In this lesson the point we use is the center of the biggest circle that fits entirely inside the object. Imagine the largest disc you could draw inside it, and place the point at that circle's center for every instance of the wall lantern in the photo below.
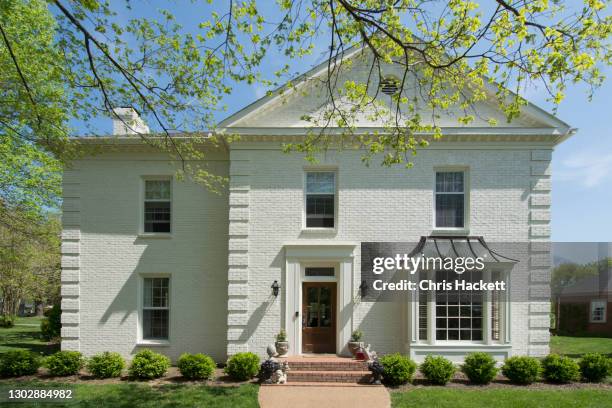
(363, 288)
(275, 288)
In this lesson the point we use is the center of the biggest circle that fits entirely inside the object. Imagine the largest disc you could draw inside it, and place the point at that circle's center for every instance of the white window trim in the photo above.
(466, 202)
(320, 169)
(487, 339)
(140, 298)
(605, 311)
(141, 231)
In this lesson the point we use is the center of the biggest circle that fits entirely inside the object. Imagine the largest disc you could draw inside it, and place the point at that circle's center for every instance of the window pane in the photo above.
(320, 182)
(155, 324)
(449, 182)
(157, 189)
(157, 216)
(325, 307)
(320, 211)
(449, 210)
(155, 292)
(319, 271)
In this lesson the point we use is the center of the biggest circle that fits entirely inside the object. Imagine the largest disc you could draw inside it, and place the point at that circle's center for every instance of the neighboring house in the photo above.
(149, 261)
(584, 306)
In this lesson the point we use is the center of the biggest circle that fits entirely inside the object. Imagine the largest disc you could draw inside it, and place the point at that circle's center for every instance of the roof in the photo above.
(590, 286)
(281, 111)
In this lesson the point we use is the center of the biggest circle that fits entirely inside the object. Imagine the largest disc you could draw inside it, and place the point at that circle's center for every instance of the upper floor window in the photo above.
(450, 199)
(598, 311)
(320, 199)
(157, 206)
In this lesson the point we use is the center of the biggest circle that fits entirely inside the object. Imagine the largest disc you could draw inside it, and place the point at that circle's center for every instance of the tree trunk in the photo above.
(40, 309)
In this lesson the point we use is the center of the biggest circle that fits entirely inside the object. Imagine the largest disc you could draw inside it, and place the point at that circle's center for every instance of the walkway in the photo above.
(332, 396)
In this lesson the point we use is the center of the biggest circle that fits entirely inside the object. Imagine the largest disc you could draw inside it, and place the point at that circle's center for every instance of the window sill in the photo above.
(319, 230)
(158, 343)
(450, 231)
(155, 235)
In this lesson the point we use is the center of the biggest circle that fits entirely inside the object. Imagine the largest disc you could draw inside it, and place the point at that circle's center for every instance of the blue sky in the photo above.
(582, 165)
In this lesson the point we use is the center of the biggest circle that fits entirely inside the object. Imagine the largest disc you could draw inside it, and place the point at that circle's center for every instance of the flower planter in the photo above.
(354, 346)
(282, 348)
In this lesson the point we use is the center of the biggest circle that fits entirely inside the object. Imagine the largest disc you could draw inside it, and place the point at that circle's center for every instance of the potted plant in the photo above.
(355, 344)
(282, 345)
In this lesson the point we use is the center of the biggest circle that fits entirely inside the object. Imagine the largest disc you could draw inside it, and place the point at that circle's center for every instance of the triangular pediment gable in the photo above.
(287, 107)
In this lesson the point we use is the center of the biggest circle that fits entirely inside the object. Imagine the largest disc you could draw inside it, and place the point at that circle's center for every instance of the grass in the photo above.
(25, 335)
(134, 395)
(501, 398)
(577, 346)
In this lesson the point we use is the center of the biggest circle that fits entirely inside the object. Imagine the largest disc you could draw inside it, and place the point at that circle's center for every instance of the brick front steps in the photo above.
(327, 370)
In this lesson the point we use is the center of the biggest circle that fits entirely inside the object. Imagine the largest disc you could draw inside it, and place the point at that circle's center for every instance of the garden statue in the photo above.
(280, 375)
(271, 371)
(377, 370)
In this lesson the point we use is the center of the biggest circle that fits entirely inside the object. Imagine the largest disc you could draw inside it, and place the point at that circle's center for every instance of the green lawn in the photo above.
(437, 397)
(134, 395)
(577, 346)
(25, 335)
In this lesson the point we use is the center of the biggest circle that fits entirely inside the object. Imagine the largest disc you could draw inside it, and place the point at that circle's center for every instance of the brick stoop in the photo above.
(326, 370)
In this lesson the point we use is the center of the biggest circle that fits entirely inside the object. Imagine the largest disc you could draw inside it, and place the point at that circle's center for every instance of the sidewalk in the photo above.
(278, 396)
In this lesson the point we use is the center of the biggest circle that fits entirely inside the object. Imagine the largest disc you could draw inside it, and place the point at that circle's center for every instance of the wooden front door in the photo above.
(319, 317)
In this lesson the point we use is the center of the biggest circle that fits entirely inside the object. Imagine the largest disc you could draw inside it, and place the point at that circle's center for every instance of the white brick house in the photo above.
(199, 279)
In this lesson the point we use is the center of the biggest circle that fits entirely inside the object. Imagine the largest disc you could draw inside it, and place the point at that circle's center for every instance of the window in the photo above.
(450, 199)
(319, 271)
(459, 314)
(155, 309)
(157, 206)
(598, 311)
(320, 199)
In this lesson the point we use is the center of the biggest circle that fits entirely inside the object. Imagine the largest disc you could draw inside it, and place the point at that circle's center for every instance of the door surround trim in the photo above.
(308, 254)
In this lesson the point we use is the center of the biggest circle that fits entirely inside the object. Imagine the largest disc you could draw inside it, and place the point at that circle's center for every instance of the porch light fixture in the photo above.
(275, 288)
(363, 288)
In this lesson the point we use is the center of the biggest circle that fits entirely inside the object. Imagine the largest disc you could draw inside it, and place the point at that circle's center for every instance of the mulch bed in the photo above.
(173, 376)
(460, 380)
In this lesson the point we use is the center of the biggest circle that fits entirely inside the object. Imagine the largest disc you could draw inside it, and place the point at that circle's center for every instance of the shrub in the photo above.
(242, 366)
(522, 369)
(282, 335)
(196, 366)
(437, 369)
(7, 321)
(64, 363)
(595, 367)
(19, 362)
(479, 367)
(106, 365)
(147, 365)
(560, 369)
(51, 325)
(356, 336)
(398, 369)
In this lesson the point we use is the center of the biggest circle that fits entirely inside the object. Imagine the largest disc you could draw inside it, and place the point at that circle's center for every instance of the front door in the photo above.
(319, 317)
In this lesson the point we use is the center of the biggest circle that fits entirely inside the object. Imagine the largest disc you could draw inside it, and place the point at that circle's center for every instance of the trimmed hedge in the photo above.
(64, 363)
(196, 366)
(19, 362)
(560, 369)
(479, 367)
(242, 366)
(398, 369)
(437, 369)
(148, 364)
(106, 365)
(595, 367)
(522, 369)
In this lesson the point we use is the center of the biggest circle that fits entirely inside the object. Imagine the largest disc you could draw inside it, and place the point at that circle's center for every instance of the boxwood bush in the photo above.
(595, 367)
(19, 362)
(106, 365)
(522, 369)
(437, 369)
(560, 369)
(398, 369)
(242, 366)
(147, 365)
(196, 366)
(479, 367)
(64, 363)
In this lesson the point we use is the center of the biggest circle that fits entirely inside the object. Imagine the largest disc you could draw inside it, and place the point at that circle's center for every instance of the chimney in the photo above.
(128, 122)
